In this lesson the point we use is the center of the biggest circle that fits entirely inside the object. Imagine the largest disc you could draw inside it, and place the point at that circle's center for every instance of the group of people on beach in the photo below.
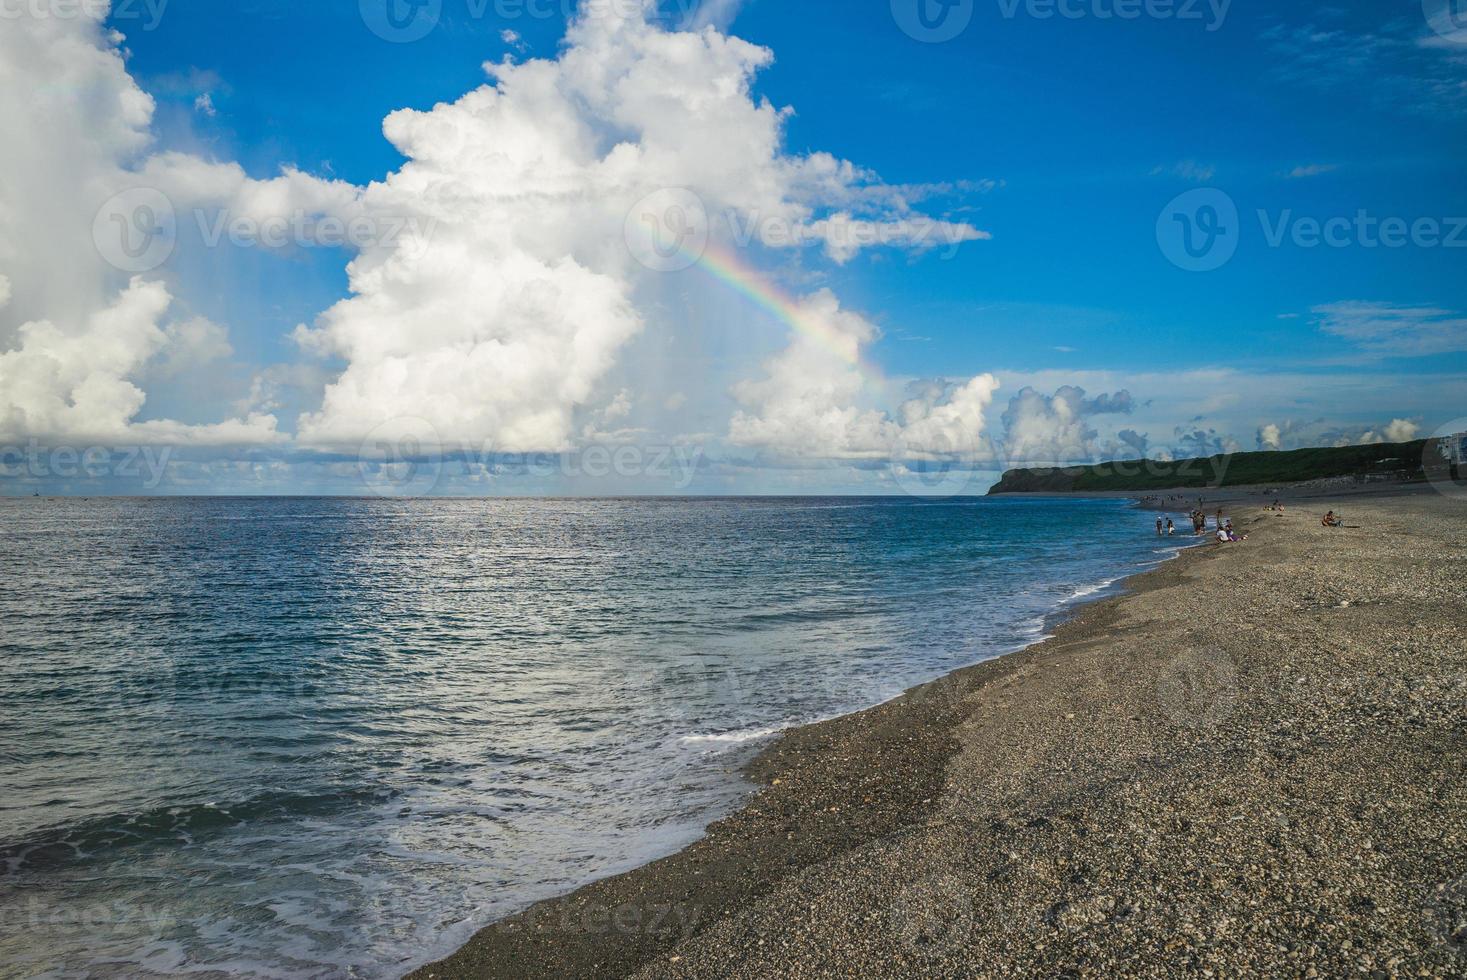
(1225, 533)
(1224, 527)
(1199, 520)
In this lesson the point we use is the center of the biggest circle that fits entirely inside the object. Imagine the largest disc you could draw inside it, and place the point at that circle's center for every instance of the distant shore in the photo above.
(1248, 764)
(1182, 499)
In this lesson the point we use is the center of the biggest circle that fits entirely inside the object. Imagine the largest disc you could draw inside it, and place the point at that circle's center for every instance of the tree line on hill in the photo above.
(1404, 461)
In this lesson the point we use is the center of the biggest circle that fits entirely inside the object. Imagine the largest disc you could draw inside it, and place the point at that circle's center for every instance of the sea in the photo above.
(323, 737)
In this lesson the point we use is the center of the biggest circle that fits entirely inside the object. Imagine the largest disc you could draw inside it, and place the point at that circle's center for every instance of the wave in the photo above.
(731, 738)
(63, 844)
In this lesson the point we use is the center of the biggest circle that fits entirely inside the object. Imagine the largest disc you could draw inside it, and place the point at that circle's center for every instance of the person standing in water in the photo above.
(1170, 527)
(1158, 527)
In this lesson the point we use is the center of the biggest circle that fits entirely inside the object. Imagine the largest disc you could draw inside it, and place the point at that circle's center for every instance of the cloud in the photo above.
(1397, 66)
(1400, 430)
(77, 334)
(813, 401)
(204, 105)
(1193, 442)
(1199, 173)
(1135, 440)
(1041, 428)
(714, 13)
(73, 384)
(65, 86)
(191, 344)
(1311, 170)
(1294, 434)
(1233, 405)
(502, 314)
(1390, 330)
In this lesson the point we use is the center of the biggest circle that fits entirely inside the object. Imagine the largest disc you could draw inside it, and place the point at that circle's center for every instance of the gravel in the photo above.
(1252, 764)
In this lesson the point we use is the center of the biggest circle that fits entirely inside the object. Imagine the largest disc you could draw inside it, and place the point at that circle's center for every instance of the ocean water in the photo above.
(331, 738)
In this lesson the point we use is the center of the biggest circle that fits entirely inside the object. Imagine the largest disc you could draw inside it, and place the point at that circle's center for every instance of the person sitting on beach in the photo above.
(1330, 520)
(1222, 536)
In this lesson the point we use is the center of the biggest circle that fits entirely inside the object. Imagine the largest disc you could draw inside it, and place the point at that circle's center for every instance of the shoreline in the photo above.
(519, 945)
(1182, 499)
(834, 795)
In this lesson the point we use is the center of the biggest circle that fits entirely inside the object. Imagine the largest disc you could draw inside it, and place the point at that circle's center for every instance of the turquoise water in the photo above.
(330, 738)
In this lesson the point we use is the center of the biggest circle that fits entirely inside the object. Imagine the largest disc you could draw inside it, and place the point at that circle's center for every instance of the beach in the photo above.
(1250, 763)
(371, 727)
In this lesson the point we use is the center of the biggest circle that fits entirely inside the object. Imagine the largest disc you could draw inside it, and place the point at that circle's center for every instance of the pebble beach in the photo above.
(1250, 763)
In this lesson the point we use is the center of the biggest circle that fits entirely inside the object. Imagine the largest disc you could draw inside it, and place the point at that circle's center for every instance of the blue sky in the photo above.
(1061, 139)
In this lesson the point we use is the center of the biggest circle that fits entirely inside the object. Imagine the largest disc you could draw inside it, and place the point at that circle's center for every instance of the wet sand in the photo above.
(1250, 764)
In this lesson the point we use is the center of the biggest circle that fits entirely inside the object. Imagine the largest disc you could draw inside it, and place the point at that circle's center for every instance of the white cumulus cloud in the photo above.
(499, 314)
(77, 333)
(815, 400)
(1040, 428)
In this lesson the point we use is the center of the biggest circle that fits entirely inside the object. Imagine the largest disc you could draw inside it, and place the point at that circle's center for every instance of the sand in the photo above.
(1251, 764)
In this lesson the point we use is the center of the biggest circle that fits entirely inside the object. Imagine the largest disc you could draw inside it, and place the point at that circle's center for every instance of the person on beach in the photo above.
(1330, 520)
(1170, 527)
(1219, 517)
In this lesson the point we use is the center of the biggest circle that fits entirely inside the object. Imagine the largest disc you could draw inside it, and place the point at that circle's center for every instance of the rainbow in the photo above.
(725, 265)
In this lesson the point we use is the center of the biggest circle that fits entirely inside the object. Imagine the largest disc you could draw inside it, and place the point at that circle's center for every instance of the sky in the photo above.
(479, 247)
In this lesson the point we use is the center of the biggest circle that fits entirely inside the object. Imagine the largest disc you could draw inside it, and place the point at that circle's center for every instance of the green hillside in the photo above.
(1402, 459)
